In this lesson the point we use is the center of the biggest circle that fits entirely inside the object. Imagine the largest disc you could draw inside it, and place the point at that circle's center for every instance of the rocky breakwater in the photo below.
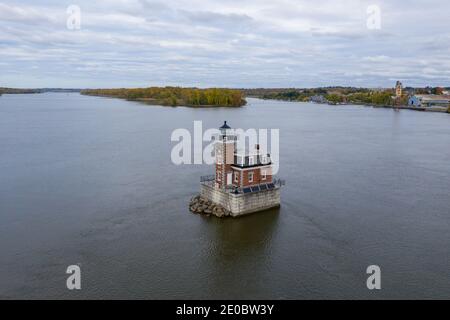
(201, 205)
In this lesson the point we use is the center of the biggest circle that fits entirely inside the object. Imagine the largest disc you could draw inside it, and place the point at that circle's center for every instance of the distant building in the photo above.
(398, 89)
(429, 100)
(409, 91)
(318, 99)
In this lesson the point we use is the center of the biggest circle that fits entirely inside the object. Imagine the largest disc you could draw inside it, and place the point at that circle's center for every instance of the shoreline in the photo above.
(399, 107)
(156, 102)
(423, 109)
(175, 96)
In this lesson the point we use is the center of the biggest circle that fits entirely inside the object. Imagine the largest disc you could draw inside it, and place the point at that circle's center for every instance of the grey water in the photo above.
(89, 181)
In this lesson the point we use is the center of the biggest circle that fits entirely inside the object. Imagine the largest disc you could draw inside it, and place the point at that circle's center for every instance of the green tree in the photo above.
(334, 98)
(176, 95)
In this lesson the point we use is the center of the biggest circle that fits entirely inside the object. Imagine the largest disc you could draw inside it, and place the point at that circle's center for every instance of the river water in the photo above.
(89, 181)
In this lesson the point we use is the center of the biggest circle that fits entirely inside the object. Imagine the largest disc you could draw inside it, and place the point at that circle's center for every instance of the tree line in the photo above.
(333, 95)
(18, 91)
(176, 96)
(338, 95)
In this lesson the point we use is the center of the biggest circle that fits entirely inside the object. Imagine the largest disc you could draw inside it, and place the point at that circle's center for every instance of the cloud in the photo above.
(376, 59)
(237, 43)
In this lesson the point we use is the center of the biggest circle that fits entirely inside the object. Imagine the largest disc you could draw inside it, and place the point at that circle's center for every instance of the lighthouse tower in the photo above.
(243, 182)
(224, 151)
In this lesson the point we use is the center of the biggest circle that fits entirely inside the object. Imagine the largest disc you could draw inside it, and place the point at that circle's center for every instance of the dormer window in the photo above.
(251, 160)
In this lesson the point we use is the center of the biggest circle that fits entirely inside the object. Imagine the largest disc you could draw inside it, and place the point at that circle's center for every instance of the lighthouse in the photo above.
(240, 169)
(243, 182)
(224, 148)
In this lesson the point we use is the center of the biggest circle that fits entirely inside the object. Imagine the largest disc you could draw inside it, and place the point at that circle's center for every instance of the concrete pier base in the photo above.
(241, 204)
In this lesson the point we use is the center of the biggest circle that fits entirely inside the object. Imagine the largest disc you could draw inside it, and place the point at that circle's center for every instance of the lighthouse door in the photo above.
(229, 178)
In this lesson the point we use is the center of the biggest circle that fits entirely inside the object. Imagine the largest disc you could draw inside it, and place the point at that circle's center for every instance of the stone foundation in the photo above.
(204, 206)
(240, 204)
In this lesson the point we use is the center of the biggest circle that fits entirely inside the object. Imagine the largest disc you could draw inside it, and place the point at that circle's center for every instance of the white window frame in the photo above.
(236, 177)
(251, 160)
(219, 157)
(250, 174)
(263, 174)
(229, 180)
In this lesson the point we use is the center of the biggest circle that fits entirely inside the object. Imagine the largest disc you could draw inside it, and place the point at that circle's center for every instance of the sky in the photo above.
(226, 43)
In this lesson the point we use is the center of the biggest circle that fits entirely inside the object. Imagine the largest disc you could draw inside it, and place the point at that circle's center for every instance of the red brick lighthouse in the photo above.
(243, 182)
(224, 151)
(240, 170)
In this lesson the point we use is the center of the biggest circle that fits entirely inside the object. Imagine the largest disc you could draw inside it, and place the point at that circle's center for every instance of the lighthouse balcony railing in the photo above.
(275, 184)
(228, 137)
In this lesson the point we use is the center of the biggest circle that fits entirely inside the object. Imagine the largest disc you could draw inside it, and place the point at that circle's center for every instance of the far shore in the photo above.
(158, 102)
(175, 96)
(176, 102)
(397, 107)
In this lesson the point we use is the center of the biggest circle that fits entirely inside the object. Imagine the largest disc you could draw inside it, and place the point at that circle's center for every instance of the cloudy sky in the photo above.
(224, 43)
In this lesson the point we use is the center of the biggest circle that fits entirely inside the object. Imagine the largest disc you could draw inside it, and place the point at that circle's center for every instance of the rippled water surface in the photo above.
(89, 181)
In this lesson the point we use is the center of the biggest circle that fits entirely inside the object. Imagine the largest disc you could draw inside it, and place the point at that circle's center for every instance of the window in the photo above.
(219, 159)
(263, 174)
(250, 176)
(236, 177)
(251, 161)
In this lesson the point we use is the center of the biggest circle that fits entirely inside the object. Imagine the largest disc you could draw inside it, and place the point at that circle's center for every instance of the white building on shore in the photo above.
(429, 100)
